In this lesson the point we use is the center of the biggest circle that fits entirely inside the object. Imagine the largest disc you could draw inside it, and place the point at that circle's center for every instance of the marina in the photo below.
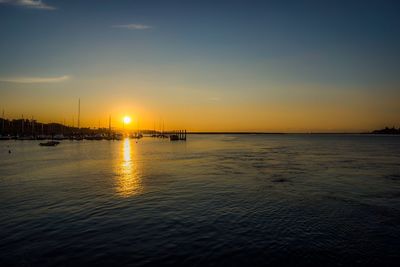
(24, 130)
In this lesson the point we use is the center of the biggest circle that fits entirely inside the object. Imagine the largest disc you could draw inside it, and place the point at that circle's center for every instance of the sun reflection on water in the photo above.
(128, 179)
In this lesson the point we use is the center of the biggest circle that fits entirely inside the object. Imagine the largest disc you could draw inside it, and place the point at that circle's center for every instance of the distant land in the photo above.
(387, 130)
(25, 127)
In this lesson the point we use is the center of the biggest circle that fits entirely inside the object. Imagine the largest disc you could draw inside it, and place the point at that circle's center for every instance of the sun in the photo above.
(127, 119)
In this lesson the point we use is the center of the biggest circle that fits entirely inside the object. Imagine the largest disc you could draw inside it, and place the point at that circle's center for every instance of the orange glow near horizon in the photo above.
(335, 110)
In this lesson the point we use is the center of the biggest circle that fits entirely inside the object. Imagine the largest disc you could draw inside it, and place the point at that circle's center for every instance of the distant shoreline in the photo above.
(311, 133)
(26, 127)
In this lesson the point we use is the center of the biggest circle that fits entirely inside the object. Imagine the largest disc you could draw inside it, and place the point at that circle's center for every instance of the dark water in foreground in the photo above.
(294, 200)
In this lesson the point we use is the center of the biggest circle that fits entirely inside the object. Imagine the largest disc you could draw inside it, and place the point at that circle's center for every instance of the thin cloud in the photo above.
(33, 4)
(35, 79)
(133, 26)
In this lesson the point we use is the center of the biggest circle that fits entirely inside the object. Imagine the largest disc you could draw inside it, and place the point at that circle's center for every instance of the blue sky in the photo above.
(239, 53)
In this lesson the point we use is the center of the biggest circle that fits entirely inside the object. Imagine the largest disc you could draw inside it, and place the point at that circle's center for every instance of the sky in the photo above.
(274, 66)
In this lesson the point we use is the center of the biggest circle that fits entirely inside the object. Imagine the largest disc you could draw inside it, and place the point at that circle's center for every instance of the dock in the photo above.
(179, 135)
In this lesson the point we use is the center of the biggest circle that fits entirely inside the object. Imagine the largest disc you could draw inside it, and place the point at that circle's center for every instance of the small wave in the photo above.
(280, 180)
(394, 177)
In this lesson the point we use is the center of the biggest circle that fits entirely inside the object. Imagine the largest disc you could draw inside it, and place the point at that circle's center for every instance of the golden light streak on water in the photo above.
(128, 178)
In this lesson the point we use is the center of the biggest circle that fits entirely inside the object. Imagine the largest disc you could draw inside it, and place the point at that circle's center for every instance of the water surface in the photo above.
(327, 200)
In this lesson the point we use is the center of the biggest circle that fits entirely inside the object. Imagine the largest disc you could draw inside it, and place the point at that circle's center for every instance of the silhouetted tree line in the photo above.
(25, 127)
(387, 130)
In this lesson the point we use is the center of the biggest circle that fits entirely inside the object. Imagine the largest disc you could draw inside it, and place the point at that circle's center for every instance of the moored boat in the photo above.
(174, 137)
(50, 143)
(5, 137)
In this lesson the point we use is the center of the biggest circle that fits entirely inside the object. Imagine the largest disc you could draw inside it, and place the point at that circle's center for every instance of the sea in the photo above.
(214, 200)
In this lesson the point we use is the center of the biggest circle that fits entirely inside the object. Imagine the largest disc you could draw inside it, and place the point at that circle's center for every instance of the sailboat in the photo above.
(49, 143)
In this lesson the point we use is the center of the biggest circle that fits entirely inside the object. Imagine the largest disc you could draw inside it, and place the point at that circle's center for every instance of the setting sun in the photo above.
(127, 119)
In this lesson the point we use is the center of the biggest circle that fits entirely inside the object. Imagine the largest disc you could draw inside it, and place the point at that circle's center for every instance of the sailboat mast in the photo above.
(22, 128)
(79, 113)
(33, 126)
(109, 125)
(2, 128)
